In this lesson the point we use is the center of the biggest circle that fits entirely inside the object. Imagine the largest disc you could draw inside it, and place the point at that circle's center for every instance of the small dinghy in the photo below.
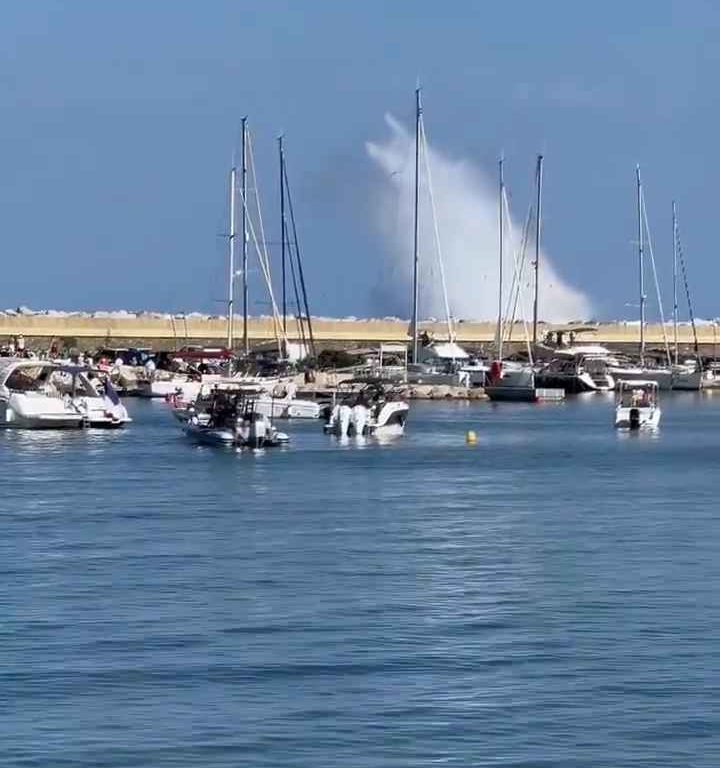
(636, 405)
(232, 420)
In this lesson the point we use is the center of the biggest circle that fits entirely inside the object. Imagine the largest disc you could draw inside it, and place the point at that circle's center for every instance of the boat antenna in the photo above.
(641, 264)
(418, 116)
(538, 228)
(243, 162)
(501, 227)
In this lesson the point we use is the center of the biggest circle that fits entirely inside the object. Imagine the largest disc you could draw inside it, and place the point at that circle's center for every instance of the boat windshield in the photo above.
(46, 380)
(636, 397)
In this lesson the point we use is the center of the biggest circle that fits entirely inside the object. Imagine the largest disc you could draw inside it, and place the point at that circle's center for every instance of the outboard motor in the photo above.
(634, 418)
(343, 420)
(359, 419)
(258, 431)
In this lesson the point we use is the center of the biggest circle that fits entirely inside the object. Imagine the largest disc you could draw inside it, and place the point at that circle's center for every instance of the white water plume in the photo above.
(467, 212)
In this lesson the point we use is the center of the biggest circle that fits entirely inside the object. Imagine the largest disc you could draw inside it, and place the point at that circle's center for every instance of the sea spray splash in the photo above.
(467, 211)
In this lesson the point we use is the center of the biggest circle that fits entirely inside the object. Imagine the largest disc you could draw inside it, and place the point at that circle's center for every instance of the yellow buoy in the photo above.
(470, 437)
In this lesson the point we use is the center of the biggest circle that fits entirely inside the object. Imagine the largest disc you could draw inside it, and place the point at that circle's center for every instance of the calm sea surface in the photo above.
(548, 597)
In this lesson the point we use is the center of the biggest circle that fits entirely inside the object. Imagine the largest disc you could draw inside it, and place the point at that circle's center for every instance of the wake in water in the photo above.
(467, 213)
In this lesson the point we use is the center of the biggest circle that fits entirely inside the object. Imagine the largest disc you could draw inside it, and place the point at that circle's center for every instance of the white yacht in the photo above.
(37, 394)
(278, 403)
(636, 405)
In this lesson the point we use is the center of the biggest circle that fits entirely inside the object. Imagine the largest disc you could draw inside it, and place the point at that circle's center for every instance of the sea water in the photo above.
(547, 597)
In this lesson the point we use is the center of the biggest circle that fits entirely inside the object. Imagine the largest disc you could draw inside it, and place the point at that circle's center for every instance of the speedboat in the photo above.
(231, 419)
(366, 409)
(36, 394)
(636, 405)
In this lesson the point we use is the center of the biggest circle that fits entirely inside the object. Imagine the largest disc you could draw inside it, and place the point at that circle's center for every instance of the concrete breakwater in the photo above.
(167, 332)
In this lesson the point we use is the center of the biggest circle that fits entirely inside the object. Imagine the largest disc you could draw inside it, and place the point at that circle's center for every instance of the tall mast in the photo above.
(641, 265)
(675, 265)
(538, 224)
(418, 117)
(282, 231)
(231, 259)
(501, 210)
(243, 161)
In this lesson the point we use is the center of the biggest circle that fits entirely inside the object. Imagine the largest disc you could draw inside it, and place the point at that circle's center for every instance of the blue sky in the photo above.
(118, 121)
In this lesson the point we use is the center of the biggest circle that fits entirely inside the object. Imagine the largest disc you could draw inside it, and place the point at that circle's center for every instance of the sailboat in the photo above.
(662, 375)
(686, 376)
(437, 361)
(514, 381)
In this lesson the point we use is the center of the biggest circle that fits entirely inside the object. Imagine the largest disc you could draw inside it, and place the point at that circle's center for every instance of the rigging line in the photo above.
(298, 316)
(516, 296)
(263, 256)
(655, 278)
(301, 273)
(520, 262)
(263, 266)
(436, 229)
(687, 293)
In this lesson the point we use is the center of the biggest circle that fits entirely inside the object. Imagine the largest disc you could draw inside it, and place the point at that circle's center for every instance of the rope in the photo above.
(655, 278)
(436, 229)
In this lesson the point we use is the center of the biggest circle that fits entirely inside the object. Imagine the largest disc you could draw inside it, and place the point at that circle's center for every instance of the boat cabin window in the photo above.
(26, 379)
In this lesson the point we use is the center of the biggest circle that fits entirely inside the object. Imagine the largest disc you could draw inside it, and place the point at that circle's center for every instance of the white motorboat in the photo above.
(371, 410)
(37, 394)
(164, 384)
(636, 405)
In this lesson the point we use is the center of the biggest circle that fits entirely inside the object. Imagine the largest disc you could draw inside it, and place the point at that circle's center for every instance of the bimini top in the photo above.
(637, 384)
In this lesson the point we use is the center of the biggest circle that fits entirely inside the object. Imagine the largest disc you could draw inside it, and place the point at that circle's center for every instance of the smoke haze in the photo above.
(467, 213)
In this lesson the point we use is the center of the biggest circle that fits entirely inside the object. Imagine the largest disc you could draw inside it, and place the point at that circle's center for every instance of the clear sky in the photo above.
(118, 121)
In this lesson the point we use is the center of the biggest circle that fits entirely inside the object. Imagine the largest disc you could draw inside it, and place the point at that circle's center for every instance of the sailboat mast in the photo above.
(243, 181)
(675, 265)
(501, 227)
(231, 259)
(418, 117)
(538, 226)
(641, 264)
(282, 232)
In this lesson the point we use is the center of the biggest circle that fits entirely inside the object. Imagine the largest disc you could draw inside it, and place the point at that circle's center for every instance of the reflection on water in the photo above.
(550, 596)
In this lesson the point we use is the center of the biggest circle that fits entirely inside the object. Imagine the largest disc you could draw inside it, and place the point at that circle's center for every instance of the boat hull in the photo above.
(637, 418)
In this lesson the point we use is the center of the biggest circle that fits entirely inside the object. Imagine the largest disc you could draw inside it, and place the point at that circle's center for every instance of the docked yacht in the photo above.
(277, 403)
(576, 371)
(165, 384)
(636, 405)
(37, 394)
(515, 383)
(371, 409)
